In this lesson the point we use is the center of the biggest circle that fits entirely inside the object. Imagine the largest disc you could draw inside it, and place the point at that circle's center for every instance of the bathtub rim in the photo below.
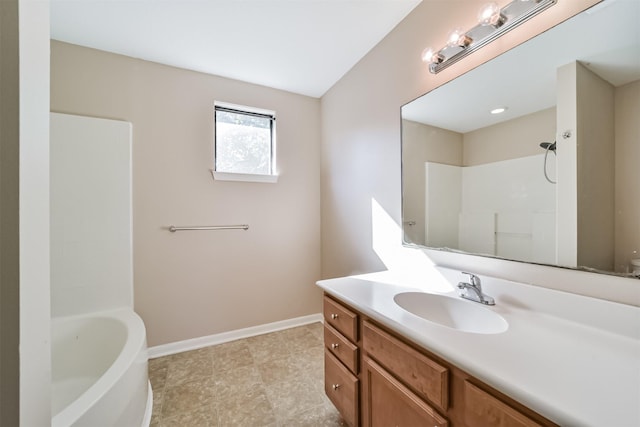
(135, 344)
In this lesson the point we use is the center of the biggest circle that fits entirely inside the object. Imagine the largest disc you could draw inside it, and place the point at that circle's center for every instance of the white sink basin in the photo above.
(453, 313)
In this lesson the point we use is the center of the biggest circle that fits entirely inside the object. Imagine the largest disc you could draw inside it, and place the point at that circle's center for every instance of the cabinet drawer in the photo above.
(340, 347)
(341, 318)
(426, 377)
(389, 403)
(484, 410)
(341, 387)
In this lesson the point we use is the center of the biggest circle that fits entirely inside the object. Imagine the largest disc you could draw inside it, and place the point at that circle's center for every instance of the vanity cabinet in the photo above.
(341, 360)
(377, 378)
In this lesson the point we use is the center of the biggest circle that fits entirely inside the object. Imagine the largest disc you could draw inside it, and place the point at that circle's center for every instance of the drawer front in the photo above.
(340, 347)
(342, 388)
(341, 318)
(483, 410)
(390, 403)
(428, 378)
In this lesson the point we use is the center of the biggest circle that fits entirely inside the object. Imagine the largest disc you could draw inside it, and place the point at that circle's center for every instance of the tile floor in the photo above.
(271, 380)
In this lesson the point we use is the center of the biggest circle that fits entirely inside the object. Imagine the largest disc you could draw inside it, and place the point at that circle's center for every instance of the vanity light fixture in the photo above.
(493, 22)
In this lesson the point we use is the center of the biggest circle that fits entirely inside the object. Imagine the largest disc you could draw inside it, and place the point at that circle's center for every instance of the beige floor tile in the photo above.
(271, 380)
(287, 368)
(321, 416)
(290, 398)
(312, 359)
(231, 355)
(228, 384)
(188, 397)
(188, 369)
(250, 409)
(156, 412)
(201, 352)
(268, 347)
(296, 333)
(158, 377)
(205, 416)
(316, 328)
(158, 363)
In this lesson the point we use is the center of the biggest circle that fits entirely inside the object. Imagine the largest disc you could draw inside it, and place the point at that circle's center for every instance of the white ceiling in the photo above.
(606, 38)
(301, 46)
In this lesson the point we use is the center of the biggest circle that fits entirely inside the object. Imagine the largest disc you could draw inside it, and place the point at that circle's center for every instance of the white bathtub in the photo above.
(99, 370)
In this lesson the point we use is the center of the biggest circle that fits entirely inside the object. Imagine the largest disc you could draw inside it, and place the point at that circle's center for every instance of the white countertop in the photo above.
(573, 359)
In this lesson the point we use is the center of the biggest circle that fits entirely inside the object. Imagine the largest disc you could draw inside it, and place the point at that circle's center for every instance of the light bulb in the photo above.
(489, 14)
(431, 56)
(427, 55)
(457, 37)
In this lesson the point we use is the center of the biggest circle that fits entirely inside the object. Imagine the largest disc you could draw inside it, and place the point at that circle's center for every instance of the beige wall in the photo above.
(627, 174)
(193, 284)
(567, 167)
(596, 145)
(422, 143)
(361, 147)
(519, 137)
(585, 189)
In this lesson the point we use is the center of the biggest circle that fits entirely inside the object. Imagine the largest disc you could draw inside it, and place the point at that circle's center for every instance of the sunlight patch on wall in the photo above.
(405, 266)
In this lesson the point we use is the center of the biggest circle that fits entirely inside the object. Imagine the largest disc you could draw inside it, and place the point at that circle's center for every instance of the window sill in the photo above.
(244, 177)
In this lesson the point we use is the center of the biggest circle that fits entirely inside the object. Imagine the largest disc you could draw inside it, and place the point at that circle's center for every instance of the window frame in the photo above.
(271, 177)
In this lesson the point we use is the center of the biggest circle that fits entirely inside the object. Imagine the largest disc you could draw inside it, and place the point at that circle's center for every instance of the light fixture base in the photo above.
(512, 15)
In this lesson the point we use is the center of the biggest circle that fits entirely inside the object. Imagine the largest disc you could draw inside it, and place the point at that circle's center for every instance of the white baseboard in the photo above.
(196, 343)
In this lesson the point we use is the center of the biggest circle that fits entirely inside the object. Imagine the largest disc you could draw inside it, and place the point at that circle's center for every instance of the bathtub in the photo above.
(99, 370)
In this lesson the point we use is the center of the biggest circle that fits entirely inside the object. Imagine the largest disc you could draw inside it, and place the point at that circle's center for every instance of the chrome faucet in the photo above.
(473, 291)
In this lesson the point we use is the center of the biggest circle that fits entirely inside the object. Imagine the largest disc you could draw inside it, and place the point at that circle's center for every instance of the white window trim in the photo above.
(244, 108)
(247, 177)
(244, 177)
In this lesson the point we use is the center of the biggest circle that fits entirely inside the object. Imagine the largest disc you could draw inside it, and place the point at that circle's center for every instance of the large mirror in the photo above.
(553, 179)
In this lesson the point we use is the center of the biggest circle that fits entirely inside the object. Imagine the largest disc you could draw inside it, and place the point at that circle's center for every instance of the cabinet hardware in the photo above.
(334, 346)
(334, 316)
(335, 386)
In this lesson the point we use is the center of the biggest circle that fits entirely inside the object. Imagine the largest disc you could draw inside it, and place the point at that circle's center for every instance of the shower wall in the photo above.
(503, 208)
(91, 250)
(512, 139)
(512, 204)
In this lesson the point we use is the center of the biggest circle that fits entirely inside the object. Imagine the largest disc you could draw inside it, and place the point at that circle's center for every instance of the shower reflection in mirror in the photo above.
(551, 175)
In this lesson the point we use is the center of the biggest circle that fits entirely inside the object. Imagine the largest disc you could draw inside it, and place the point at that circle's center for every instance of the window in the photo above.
(244, 143)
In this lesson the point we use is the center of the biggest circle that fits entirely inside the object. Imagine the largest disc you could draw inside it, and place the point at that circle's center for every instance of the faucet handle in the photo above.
(475, 280)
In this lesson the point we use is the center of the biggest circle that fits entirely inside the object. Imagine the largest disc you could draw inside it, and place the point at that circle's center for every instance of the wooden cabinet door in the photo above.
(388, 403)
(483, 410)
(342, 388)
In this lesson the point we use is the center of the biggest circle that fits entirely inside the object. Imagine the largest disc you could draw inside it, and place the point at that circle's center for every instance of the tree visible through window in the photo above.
(244, 141)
